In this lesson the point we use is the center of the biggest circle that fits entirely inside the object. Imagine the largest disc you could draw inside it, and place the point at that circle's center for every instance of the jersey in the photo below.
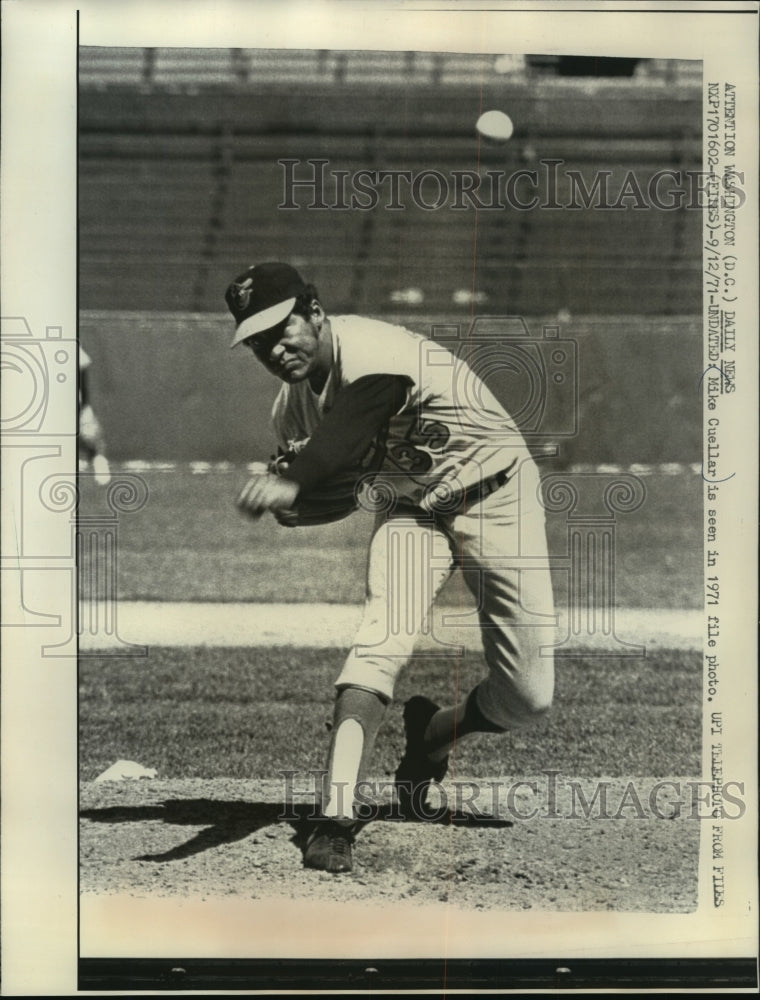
(449, 434)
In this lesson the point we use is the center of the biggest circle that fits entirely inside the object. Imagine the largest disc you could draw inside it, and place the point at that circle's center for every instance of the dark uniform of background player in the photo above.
(363, 398)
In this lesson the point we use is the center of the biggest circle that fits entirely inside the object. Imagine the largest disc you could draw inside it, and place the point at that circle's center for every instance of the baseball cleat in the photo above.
(416, 771)
(329, 846)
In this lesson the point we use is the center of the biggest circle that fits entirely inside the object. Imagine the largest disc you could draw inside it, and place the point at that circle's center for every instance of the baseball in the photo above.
(495, 125)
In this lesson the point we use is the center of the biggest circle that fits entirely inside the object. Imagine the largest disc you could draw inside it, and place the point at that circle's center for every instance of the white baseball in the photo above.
(495, 125)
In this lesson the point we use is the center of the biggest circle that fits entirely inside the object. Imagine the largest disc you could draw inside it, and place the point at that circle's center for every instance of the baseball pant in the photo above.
(500, 546)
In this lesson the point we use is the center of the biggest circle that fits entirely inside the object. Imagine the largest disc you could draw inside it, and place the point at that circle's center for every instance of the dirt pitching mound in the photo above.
(512, 846)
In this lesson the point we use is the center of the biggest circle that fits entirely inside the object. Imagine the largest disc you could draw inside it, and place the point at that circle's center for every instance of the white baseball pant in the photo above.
(500, 545)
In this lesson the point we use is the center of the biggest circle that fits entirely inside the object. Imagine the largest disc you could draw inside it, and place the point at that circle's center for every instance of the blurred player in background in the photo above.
(369, 406)
(91, 443)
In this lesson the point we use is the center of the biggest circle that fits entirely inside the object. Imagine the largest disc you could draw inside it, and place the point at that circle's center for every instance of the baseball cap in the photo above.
(262, 297)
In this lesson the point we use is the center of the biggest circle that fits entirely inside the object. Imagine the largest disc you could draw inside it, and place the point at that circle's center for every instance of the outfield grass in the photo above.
(204, 712)
(190, 543)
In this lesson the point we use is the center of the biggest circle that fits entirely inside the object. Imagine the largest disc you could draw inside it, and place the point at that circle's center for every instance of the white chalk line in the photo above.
(326, 626)
(207, 468)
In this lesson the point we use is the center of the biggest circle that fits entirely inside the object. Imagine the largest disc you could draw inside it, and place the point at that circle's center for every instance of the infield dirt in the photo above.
(227, 837)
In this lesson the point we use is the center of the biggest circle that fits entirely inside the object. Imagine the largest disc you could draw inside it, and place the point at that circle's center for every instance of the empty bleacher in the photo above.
(196, 68)
(180, 183)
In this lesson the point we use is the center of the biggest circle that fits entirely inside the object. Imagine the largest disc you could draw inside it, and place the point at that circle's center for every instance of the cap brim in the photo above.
(263, 320)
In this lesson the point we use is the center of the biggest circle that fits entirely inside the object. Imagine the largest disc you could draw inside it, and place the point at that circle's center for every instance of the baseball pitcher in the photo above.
(372, 414)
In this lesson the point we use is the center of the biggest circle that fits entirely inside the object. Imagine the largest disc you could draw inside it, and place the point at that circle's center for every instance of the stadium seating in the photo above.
(180, 183)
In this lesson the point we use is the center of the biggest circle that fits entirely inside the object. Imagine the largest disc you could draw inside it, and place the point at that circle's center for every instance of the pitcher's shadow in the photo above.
(228, 822)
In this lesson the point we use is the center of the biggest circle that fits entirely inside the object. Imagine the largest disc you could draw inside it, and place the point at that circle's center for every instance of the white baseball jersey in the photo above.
(451, 431)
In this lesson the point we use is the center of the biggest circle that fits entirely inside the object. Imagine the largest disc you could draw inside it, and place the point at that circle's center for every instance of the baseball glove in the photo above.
(332, 500)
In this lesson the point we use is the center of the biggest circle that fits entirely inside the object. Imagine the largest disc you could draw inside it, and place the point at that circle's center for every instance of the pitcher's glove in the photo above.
(332, 500)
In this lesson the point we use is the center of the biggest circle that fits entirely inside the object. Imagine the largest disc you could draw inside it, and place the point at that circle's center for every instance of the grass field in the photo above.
(251, 713)
(190, 543)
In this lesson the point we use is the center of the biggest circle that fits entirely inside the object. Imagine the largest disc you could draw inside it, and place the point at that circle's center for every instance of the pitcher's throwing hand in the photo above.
(267, 492)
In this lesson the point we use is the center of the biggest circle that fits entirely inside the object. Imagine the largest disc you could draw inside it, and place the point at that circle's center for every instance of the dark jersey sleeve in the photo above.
(345, 434)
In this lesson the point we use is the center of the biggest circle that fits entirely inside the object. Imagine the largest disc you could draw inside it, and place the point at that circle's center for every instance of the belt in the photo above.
(472, 495)
(485, 487)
